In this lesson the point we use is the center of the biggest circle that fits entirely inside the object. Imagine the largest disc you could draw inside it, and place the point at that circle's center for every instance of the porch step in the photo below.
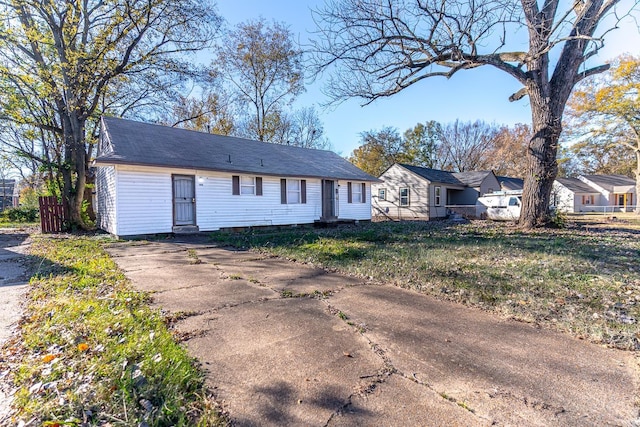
(186, 229)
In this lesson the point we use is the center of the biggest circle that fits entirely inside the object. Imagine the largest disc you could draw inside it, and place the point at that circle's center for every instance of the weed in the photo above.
(193, 257)
(286, 294)
(342, 315)
(235, 277)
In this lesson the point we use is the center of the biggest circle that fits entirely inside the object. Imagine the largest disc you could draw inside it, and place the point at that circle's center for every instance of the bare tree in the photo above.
(378, 48)
(79, 56)
(466, 145)
(263, 66)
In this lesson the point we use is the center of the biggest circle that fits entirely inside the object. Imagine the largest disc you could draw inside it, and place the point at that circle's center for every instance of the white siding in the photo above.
(356, 210)
(397, 177)
(145, 204)
(217, 207)
(106, 198)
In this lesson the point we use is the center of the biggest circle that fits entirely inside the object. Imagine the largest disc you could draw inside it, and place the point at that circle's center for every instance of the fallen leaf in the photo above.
(48, 358)
(83, 346)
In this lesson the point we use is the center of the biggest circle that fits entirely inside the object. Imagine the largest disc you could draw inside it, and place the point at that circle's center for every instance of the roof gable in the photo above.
(144, 144)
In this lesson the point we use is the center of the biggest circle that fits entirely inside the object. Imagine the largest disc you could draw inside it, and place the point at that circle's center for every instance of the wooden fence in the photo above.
(52, 215)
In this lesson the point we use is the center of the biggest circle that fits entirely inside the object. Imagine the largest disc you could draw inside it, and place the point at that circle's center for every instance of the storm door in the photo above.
(328, 199)
(184, 200)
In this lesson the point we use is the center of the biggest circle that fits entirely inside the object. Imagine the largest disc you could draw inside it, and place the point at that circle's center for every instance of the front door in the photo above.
(328, 199)
(184, 200)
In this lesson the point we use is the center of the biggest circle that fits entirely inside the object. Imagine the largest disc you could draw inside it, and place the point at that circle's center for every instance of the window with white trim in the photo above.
(247, 185)
(382, 194)
(404, 197)
(293, 191)
(356, 196)
(437, 192)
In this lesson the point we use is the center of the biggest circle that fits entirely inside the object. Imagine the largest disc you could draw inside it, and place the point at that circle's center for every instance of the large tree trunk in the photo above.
(637, 173)
(74, 171)
(542, 167)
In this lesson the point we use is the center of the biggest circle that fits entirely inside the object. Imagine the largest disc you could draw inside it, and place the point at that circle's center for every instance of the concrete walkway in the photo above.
(285, 344)
(13, 284)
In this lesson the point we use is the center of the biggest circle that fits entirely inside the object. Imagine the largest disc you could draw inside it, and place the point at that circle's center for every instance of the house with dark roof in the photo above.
(157, 179)
(571, 195)
(617, 191)
(408, 192)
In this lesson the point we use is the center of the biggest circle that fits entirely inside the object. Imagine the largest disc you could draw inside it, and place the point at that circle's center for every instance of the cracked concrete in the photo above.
(286, 344)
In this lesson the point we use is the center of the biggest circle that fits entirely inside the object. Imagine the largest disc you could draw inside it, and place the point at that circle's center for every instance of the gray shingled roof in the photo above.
(434, 175)
(609, 181)
(508, 183)
(575, 185)
(144, 144)
(472, 179)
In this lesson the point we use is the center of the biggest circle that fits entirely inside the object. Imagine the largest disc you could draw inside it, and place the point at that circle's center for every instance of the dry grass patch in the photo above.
(582, 279)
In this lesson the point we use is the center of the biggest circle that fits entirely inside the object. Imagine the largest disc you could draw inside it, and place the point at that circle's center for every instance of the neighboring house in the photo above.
(477, 184)
(508, 183)
(157, 179)
(616, 190)
(7, 190)
(412, 192)
(571, 195)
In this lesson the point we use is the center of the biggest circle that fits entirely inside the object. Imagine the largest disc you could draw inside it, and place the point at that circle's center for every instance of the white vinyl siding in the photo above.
(355, 210)
(145, 202)
(395, 178)
(106, 198)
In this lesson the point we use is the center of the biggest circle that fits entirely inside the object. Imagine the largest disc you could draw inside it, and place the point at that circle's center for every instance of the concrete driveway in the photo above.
(286, 344)
(13, 285)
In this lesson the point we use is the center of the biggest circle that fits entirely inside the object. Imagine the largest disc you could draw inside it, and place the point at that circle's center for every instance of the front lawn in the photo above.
(585, 281)
(92, 352)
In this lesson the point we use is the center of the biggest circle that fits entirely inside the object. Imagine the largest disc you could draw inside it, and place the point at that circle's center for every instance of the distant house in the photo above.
(408, 191)
(508, 183)
(7, 192)
(571, 195)
(616, 190)
(156, 179)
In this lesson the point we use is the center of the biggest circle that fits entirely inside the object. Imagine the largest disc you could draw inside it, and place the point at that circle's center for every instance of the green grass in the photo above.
(585, 281)
(92, 350)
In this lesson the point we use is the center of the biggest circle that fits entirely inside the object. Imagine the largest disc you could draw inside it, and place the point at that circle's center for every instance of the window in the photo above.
(437, 193)
(356, 194)
(247, 185)
(382, 194)
(513, 201)
(293, 191)
(404, 197)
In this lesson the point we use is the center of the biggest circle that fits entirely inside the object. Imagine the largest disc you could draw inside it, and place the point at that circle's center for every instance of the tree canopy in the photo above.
(375, 49)
(63, 63)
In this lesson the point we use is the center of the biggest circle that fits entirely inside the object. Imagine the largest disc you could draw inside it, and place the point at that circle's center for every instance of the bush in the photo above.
(20, 214)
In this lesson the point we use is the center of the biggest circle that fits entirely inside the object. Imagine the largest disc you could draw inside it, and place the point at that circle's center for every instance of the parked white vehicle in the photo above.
(500, 206)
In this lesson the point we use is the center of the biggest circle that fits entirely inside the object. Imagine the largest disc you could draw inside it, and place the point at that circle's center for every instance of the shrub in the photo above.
(20, 214)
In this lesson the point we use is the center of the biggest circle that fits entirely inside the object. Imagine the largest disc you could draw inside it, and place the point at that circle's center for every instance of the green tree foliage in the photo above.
(421, 144)
(379, 150)
(604, 114)
(263, 66)
(63, 63)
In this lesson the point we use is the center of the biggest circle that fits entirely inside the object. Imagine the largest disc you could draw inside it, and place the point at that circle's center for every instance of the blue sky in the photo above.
(480, 94)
